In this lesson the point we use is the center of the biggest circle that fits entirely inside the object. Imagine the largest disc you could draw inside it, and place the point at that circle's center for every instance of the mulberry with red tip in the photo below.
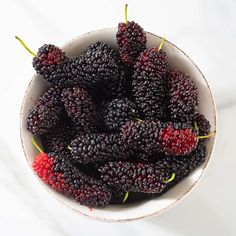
(131, 40)
(177, 140)
(56, 170)
(153, 62)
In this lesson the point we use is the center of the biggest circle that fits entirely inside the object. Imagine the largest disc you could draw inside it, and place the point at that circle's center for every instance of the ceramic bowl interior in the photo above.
(177, 59)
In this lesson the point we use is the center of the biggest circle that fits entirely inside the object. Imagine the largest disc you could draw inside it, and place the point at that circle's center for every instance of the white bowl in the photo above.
(177, 59)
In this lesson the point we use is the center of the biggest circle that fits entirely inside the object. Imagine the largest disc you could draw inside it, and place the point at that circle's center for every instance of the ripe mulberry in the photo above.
(153, 62)
(117, 112)
(80, 107)
(135, 177)
(149, 94)
(183, 96)
(203, 124)
(46, 112)
(56, 170)
(177, 140)
(131, 40)
(89, 148)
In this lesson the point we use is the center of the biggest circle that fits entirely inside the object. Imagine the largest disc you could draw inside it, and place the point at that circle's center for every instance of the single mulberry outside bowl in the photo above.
(117, 213)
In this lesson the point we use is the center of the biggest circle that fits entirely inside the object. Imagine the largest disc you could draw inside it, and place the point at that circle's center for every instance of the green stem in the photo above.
(195, 126)
(37, 146)
(139, 120)
(170, 179)
(206, 136)
(125, 197)
(69, 147)
(24, 45)
(161, 44)
(126, 13)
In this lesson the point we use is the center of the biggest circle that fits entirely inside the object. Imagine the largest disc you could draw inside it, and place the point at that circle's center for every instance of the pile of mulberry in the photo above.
(117, 125)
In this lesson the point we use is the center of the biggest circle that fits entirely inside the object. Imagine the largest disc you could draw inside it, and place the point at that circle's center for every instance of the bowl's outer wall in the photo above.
(178, 60)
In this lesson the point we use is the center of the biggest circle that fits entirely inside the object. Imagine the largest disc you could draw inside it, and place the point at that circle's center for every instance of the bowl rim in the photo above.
(158, 212)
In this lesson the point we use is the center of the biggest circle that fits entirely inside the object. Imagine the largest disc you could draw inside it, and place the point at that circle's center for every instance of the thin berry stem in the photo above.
(37, 146)
(126, 13)
(161, 44)
(206, 136)
(195, 126)
(24, 45)
(125, 197)
(140, 120)
(69, 147)
(170, 179)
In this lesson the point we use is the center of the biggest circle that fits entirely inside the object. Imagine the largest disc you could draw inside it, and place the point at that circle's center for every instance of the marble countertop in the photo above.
(205, 30)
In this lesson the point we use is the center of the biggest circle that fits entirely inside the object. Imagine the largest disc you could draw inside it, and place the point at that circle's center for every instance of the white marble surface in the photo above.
(205, 30)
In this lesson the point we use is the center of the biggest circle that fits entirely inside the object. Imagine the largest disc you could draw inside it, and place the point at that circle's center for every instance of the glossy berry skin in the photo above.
(177, 141)
(80, 107)
(152, 137)
(45, 113)
(134, 177)
(90, 148)
(149, 93)
(153, 62)
(203, 124)
(117, 112)
(131, 40)
(51, 63)
(183, 96)
(56, 170)
(141, 136)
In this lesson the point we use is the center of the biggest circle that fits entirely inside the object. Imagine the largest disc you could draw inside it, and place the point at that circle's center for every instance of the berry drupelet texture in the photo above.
(203, 124)
(58, 138)
(56, 170)
(135, 177)
(117, 112)
(89, 148)
(51, 62)
(152, 137)
(141, 136)
(149, 93)
(183, 96)
(96, 68)
(80, 107)
(131, 40)
(177, 140)
(153, 62)
(46, 112)
(182, 166)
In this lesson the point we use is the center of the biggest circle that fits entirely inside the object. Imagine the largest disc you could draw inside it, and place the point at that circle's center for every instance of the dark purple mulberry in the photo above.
(131, 40)
(89, 148)
(183, 96)
(203, 124)
(80, 108)
(59, 137)
(117, 112)
(46, 112)
(135, 177)
(150, 96)
(141, 136)
(56, 170)
(153, 62)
